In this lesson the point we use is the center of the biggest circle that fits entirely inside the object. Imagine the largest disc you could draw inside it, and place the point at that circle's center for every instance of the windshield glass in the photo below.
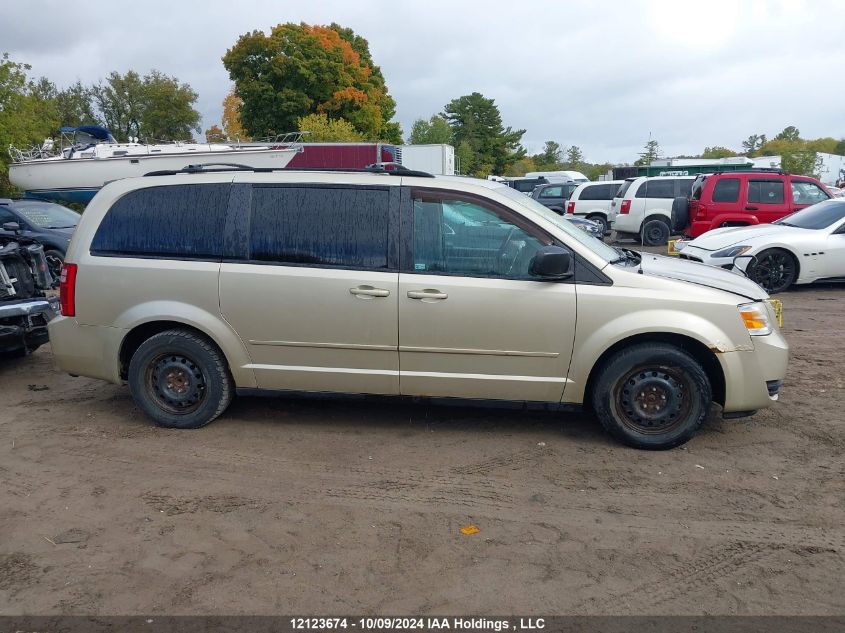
(47, 215)
(597, 246)
(818, 216)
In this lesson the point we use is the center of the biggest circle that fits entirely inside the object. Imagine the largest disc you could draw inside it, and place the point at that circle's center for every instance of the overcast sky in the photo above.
(600, 75)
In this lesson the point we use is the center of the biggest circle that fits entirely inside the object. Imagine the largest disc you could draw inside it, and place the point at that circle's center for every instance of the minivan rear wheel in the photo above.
(601, 220)
(180, 379)
(652, 396)
(654, 233)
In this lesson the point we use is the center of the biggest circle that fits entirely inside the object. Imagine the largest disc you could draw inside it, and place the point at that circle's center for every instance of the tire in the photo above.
(680, 214)
(774, 269)
(180, 379)
(597, 217)
(654, 232)
(55, 260)
(666, 378)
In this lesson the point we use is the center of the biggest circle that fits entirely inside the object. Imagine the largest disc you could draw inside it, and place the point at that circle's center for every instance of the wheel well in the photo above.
(141, 333)
(705, 357)
(733, 223)
(794, 257)
(658, 216)
(597, 214)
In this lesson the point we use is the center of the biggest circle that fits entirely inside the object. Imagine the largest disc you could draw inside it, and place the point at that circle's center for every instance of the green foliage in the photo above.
(76, 106)
(434, 131)
(796, 155)
(215, 134)
(153, 108)
(490, 148)
(650, 152)
(323, 129)
(840, 148)
(27, 113)
(549, 159)
(751, 146)
(523, 166)
(826, 145)
(789, 133)
(717, 152)
(301, 69)
(574, 158)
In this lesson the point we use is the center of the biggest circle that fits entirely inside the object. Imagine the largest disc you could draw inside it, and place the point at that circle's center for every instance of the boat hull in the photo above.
(78, 180)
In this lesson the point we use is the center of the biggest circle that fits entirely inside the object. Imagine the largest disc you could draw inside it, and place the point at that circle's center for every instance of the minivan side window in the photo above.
(172, 221)
(726, 190)
(598, 192)
(765, 191)
(343, 227)
(657, 189)
(464, 237)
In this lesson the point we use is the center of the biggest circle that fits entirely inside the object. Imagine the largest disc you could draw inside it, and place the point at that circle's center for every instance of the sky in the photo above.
(600, 75)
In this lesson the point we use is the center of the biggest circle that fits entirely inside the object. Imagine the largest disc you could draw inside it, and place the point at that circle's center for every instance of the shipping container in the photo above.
(438, 159)
(344, 155)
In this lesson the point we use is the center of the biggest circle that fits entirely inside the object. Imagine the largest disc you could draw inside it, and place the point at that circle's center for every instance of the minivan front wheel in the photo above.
(180, 379)
(653, 396)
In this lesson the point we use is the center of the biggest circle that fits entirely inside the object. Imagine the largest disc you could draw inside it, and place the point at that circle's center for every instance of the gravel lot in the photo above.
(332, 506)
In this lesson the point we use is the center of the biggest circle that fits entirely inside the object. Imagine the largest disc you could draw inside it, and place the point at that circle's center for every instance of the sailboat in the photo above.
(92, 157)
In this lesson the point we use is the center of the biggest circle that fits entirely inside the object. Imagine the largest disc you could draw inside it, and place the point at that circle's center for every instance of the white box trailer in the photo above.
(438, 159)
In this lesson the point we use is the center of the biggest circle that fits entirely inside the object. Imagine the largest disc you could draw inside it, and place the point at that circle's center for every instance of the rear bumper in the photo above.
(86, 350)
(23, 324)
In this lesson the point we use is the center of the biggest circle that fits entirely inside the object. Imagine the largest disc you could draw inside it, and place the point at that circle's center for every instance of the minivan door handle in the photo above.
(429, 294)
(369, 292)
(750, 208)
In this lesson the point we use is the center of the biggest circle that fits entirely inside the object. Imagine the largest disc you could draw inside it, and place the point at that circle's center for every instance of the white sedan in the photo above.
(801, 248)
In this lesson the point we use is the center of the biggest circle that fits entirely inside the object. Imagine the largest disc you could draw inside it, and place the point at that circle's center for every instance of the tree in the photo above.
(840, 148)
(827, 145)
(650, 153)
(323, 129)
(231, 120)
(574, 158)
(300, 69)
(27, 113)
(796, 156)
(215, 134)
(76, 106)
(753, 143)
(522, 167)
(549, 159)
(155, 107)
(789, 133)
(434, 131)
(490, 147)
(717, 152)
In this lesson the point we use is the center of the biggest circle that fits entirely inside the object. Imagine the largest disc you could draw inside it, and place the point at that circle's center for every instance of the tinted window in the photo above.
(552, 192)
(328, 226)
(624, 189)
(47, 215)
(462, 237)
(657, 189)
(598, 192)
(7, 216)
(818, 216)
(765, 191)
(182, 221)
(726, 190)
(806, 192)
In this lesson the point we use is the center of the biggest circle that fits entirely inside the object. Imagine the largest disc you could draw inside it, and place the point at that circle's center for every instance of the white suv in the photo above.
(592, 201)
(642, 207)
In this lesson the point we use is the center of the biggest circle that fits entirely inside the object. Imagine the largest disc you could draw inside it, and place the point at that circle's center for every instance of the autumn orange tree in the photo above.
(302, 69)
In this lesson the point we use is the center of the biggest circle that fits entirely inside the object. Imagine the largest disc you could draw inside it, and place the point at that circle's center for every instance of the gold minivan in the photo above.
(191, 286)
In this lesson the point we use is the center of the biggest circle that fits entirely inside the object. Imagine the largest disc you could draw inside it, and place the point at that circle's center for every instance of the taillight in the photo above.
(626, 206)
(570, 207)
(67, 290)
(698, 210)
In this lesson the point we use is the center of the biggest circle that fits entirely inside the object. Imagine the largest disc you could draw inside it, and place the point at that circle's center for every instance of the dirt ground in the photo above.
(330, 506)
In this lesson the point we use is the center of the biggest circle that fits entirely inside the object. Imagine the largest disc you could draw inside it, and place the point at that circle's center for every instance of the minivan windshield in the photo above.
(818, 216)
(601, 249)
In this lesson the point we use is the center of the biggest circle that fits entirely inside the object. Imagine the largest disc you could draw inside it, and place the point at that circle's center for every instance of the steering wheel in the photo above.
(505, 261)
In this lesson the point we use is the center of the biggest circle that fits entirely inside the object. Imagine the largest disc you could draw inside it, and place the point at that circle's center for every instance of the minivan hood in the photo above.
(728, 236)
(701, 274)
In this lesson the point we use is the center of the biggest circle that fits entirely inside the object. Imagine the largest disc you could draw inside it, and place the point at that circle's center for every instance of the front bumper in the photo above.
(695, 254)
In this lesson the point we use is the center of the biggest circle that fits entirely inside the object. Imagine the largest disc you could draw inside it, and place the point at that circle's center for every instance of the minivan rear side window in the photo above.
(343, 227)
(657, 189)
(624, 188)
(598, 192)
(726, 190)
(172, 221)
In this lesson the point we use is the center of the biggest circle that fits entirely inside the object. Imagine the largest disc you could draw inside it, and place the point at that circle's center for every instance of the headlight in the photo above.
(732, 251)
(755, 316)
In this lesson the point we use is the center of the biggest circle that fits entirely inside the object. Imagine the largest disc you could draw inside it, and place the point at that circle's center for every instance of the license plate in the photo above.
(777, 304)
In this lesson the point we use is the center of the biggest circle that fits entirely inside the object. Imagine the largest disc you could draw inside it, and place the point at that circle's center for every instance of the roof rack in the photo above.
(211, 168)
(752, 170)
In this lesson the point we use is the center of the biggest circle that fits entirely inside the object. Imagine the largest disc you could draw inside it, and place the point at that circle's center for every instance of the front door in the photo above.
(473, 321)
(314, 300)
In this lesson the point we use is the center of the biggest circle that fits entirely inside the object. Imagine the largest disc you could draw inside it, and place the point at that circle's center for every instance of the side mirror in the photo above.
(552, 262)
(11, 227)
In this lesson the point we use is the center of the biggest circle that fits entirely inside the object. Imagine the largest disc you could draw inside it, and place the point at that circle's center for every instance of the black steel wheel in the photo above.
(774, 269)
(654, 233)
(652, 395)
(180, 379)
